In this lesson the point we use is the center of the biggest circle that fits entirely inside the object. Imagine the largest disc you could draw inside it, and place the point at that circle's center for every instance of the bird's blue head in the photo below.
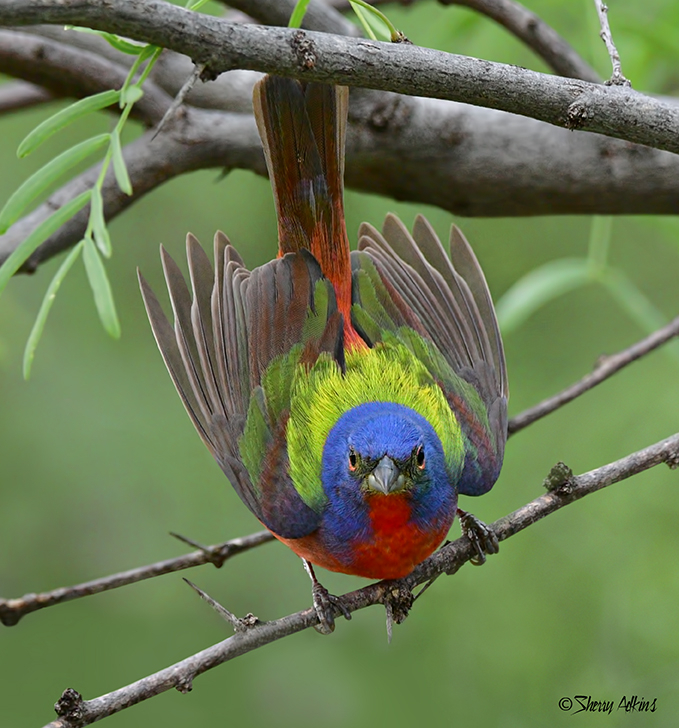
(388, 448)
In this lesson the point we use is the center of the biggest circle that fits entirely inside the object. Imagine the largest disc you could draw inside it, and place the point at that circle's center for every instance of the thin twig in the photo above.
(12, 610)
(77, 712)
(605, 367)
(179, 98)
(617, 79)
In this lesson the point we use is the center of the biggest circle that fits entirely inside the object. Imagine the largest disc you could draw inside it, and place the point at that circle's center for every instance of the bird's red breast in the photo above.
(396, 547)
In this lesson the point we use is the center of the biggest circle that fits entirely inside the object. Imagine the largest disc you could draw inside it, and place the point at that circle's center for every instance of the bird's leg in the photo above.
(483, 538)
(325, 603)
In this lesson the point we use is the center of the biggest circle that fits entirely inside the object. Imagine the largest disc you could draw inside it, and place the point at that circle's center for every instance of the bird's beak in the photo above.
(386, 477)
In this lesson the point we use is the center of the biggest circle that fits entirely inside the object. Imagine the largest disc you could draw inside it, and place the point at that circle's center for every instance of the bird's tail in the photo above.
(302, 126)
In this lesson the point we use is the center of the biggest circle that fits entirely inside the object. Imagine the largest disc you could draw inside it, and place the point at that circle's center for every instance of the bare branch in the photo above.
(408, 69)
(77, 712)
(617, 79)
(605, 368)
(528, 27)
(536, 34)
(12, 610)
(65, 70)
(19, 95)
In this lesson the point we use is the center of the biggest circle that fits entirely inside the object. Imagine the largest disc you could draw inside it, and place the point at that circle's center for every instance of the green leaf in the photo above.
(196, 4)
(130, 95)
(45, 177)
(599, 243)
(63, 118)
(21, 254)
(47, 301)
(378, 15)
(538, 287)
(101, 288)
(121, 44)
(119, 167)
(298, 14)
(98, 223)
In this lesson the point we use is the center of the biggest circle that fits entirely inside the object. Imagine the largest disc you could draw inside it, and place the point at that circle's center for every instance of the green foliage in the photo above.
(42, 180)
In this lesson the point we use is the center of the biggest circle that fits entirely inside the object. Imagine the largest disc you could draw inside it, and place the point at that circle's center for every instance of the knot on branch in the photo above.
(579, 113)
(304, 50)
(673, 460)
(70, 706)
(185, 685)
(559, 479)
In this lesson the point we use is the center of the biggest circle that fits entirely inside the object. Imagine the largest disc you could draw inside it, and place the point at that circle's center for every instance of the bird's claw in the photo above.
(326, 606)
(483, 538)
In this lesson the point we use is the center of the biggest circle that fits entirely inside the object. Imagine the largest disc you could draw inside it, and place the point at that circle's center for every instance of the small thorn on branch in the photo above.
(617, 79)
(239, 625)
(179, 98)
(216, 555)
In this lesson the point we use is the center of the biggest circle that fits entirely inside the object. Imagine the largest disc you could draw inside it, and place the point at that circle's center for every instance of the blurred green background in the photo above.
(98, 462)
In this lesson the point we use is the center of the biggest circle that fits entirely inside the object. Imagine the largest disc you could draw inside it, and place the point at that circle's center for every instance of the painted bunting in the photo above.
(348, 397)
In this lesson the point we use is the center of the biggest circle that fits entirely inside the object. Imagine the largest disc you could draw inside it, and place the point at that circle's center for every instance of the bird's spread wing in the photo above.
(406, 285)
(232, 353)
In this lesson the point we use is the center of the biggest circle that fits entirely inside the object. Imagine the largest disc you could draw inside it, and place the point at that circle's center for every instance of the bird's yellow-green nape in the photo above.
(389, 372)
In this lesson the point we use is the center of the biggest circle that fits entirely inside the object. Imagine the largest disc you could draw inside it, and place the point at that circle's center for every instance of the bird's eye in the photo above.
(419, 457)
(352, 460)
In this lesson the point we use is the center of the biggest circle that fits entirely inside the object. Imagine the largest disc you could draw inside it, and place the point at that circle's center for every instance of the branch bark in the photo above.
(614, 111)
(75, 712)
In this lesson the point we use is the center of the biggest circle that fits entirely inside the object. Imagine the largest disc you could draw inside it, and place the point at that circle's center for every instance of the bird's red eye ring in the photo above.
(419, 457)
(352, 460)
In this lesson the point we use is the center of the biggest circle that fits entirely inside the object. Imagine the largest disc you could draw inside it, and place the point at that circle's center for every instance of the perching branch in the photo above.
(12, 610)
(75, 712)
(614, 111)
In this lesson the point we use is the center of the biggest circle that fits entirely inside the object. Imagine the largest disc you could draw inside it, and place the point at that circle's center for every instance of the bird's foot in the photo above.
(483, 538)
(326, 605)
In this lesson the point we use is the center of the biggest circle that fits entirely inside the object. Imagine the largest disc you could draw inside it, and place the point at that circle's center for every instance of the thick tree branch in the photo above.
(468, 160)
(64, 70)
(606, 367)
(614, 111)
(12, 610)
(75, 712)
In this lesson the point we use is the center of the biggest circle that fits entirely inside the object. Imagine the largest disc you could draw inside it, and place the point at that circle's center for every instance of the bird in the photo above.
(349, 397)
